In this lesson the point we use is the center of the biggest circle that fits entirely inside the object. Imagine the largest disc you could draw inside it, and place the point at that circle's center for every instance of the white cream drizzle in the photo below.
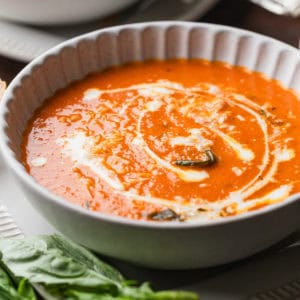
(91, 94)
(237, 171)
(79, 148)
(284, 154)
(186, 175)
(39, 161)
(241, 151)
(195, 139)
(153, 105)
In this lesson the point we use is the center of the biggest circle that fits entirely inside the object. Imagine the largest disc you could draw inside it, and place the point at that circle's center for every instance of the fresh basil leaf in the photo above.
(25, 290)
(79, 295)
(67, 271)
(172, 295)
(40, 261)
(5, 279)
(164, 295)
(85, 257)
(8, 291)
(144, 292)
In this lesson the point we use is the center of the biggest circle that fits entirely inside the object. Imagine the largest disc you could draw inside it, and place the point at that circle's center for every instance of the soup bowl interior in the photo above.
(159, 245)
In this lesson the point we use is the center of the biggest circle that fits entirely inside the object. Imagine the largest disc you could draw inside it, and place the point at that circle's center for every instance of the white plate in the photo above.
(25, 43)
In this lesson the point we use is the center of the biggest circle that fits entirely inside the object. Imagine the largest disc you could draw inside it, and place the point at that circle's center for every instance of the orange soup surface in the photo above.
(168, 141)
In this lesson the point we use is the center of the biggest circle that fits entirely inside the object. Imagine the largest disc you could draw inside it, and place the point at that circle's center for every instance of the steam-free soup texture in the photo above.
(168, 140)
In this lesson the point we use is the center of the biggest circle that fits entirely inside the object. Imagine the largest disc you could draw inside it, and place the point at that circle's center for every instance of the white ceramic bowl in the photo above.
(160, 245)
(59, 12)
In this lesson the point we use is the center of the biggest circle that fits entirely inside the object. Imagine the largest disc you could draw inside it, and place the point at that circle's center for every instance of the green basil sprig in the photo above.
(64, 270)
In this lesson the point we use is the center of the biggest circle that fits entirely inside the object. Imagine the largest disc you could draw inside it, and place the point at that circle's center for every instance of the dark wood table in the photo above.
(238, 13)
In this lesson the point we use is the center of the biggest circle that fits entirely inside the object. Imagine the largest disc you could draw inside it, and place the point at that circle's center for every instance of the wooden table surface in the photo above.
(237, 13)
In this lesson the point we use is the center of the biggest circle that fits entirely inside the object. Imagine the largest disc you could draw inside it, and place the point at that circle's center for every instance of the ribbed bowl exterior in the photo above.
(155, 245)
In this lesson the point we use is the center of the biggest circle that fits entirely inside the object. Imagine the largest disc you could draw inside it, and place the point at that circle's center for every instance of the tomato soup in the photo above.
(178, 140)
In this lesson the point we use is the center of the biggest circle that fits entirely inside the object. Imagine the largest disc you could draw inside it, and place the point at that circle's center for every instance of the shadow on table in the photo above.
(167, 279)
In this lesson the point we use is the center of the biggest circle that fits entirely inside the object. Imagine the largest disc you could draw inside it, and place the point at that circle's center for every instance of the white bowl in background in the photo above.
(160, 245)
(59, 12)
